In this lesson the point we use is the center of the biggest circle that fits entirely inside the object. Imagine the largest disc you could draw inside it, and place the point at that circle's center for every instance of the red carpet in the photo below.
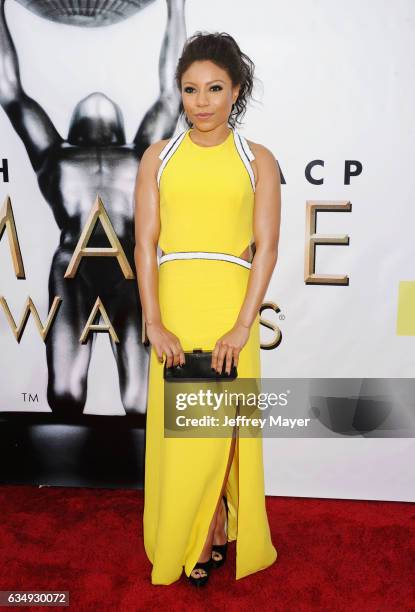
(333, 554)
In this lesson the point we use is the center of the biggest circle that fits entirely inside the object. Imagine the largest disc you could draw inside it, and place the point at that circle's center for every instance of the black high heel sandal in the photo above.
(201, 580)
(221, 549)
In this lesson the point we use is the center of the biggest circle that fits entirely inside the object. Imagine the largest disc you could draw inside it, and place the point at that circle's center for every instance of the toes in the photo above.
(201, 573)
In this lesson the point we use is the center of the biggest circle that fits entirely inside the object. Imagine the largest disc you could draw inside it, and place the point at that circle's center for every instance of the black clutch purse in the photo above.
(197, 367)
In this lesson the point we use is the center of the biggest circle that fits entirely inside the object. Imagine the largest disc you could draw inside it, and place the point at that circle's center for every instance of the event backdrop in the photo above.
(83, 94)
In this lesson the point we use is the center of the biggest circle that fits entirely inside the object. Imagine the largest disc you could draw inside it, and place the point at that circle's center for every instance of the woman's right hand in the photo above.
(164, 341)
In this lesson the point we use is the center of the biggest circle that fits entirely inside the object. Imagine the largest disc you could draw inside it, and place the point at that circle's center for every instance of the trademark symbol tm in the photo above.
(30, 397)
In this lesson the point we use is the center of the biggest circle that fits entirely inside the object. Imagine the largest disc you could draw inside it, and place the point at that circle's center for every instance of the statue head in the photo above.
(96, 121)
(81, 13)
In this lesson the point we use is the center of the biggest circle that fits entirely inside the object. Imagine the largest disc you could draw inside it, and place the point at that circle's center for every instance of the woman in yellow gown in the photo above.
(204, 197)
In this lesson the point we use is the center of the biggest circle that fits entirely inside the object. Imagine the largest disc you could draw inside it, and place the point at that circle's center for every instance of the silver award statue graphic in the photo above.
(95, 164)
(91, 13)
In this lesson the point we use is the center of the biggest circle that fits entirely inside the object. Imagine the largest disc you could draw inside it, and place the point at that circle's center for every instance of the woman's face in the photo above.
(207, 94)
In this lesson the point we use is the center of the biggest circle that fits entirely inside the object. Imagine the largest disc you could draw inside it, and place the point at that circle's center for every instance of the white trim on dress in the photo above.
(205, 255)
(245, 154)
(167, 151)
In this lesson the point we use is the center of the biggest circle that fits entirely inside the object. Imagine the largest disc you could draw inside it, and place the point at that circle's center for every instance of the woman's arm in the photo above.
(266, 230)
(147, 231)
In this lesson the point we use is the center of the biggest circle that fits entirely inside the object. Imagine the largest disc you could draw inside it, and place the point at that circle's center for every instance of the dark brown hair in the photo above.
(222, 49)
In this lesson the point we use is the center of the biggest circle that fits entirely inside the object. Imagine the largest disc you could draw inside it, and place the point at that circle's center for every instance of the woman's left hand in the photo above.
(229, 346)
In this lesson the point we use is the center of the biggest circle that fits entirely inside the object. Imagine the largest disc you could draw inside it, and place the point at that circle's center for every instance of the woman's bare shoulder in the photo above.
(260, 151)
(266, 164)
(151, 154)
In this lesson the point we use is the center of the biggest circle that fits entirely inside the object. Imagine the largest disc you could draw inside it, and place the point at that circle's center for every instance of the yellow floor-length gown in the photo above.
(207, 199)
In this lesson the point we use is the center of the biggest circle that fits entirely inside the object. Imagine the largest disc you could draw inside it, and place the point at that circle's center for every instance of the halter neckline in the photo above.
(209, 146)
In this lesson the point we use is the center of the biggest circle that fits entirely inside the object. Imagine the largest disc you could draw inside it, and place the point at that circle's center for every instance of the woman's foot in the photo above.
(214, 551)
(200, 573)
